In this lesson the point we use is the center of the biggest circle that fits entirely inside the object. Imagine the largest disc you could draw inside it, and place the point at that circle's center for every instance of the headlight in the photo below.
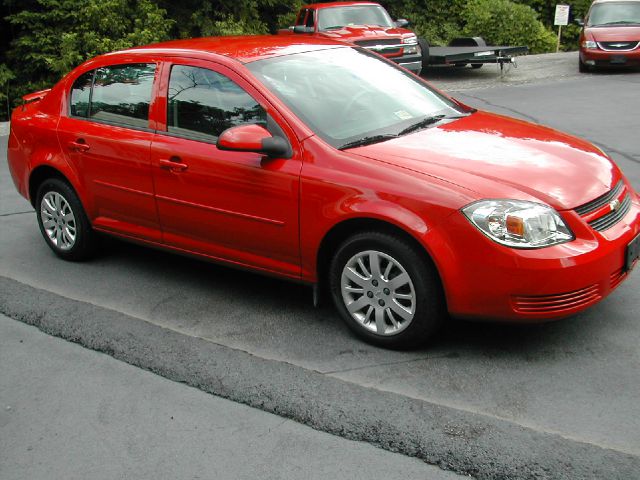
(518, 224)
(412, 50)
(589, 44)
(411, 39)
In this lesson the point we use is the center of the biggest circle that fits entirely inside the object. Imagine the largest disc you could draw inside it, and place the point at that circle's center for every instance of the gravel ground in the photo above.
(528, 68)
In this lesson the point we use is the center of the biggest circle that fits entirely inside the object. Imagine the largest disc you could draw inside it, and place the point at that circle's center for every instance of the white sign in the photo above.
(562, 15)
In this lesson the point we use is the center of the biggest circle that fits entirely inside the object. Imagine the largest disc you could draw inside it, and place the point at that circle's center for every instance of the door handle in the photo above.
(79, 145)
(173, 164)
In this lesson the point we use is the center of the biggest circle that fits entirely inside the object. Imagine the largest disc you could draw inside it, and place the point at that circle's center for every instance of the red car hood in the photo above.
(618, 33)
(500, 157)
(354, 33)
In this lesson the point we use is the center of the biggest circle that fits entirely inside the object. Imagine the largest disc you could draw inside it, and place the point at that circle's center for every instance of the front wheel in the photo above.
(582, 67)
(386, 292)
(424, 48)
(63, 222)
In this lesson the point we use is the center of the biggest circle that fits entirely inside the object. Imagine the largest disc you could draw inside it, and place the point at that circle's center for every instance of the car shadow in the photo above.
(269, 294)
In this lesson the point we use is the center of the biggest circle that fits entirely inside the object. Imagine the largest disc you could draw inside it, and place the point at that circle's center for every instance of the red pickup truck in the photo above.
(362, 23)
(369, 25)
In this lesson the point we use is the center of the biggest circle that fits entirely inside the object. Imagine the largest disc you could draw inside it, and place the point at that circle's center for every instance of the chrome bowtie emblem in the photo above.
(615, 205)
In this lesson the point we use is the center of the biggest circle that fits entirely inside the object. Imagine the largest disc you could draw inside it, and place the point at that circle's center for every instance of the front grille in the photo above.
(610, 219)
(386, 47)
(557, 303)
(373, 43)
(609, 208)
(600, 202)
(618, 46)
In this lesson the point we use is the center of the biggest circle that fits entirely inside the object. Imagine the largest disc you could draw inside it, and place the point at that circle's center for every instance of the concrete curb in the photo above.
(4, 129)
(467, 443)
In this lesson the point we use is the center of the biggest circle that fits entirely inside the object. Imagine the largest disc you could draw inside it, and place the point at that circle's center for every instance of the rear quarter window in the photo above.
(81, 95)
(118, 94)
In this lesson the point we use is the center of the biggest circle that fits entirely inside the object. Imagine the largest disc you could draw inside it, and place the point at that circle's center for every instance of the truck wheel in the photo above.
(476, 65)
(424, 46)
(468, 42)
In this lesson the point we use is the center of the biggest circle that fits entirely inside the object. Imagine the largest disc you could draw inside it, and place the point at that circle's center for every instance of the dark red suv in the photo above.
(611, 35)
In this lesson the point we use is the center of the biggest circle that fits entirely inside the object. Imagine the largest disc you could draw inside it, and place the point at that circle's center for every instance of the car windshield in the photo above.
(337, 17)
(622, 13)
(349, 96)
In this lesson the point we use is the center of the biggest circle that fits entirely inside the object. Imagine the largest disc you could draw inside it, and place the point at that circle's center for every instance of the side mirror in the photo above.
(402, 23)
(253, 138)
(302, 29)
(579, 21)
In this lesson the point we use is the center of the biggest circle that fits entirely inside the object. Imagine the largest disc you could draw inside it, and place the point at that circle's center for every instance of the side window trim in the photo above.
(93, 81)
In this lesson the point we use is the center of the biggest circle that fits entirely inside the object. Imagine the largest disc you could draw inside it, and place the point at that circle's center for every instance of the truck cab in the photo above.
(365, 24)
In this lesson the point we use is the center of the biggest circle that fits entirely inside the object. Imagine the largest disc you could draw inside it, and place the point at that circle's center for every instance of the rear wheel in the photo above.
(63, 222)
(476, 65)
(386, 292)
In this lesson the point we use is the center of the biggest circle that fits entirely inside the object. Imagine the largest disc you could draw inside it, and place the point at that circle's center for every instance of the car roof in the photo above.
(245, 49)
(615, 1)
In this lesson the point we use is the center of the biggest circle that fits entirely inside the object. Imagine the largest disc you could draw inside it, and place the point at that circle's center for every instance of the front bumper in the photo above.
(595, 57)
(410, 62)
(483, 279)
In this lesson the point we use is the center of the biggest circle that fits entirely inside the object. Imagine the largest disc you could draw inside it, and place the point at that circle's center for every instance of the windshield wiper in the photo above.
(361, 142)
(425, 122)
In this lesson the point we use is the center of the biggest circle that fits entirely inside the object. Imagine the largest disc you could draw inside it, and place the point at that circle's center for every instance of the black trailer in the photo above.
(468, 51)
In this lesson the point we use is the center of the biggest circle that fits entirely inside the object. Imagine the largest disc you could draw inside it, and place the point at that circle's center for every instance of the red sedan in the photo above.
(325, 164)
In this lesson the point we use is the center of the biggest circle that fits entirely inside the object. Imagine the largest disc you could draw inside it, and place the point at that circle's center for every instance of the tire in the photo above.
(424, 47)
(476, 65)
(582, 68)
(63, 222)
(401, 306)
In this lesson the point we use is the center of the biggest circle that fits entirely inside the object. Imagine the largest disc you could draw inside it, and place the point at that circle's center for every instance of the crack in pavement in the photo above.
(624, 155)
(385, 364)
(509, 109)
(15, 213)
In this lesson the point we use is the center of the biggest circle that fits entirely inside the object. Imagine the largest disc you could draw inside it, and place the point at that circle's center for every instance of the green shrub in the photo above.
(438, 21)
(6, 75)
(503, 22)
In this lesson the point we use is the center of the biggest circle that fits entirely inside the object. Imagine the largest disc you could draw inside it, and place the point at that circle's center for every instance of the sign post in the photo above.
(561, 19)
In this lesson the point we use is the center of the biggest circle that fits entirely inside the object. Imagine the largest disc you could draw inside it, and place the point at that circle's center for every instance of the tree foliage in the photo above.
(439, 21)
(41, 40)
(503, 22)
(53, 36)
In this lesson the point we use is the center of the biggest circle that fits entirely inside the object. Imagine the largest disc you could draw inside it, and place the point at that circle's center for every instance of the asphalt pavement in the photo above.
(67, 412)
(493, 401)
